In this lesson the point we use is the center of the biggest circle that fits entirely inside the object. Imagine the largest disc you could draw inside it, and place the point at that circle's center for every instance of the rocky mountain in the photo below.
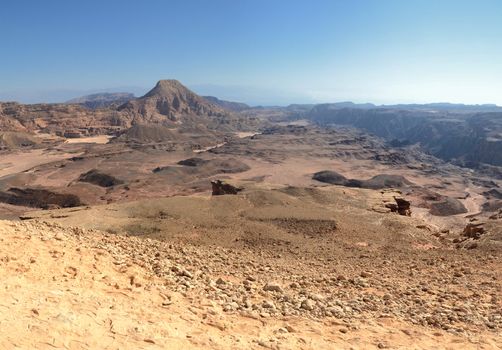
(100, 100)
(228, 105)
(168, 103)
(173, 105)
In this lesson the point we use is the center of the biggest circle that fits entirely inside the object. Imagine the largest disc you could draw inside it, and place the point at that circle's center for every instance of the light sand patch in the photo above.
(21, 161)
(298, 171)
(205, 149)
(100, 139)
(246, 134)
(474, 202)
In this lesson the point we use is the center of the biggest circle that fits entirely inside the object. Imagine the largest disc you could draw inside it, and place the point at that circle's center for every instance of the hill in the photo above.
(168, 103)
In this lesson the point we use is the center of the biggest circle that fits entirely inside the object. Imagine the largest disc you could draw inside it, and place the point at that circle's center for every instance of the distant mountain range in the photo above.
(228, 105)
(428, 107)
(100, 100)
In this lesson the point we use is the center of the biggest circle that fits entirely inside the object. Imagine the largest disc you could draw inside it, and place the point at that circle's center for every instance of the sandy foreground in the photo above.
(68, 288)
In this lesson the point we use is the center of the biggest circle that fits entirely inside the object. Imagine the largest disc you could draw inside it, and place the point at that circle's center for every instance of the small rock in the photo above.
(290, 329)
(268, 304)
(316, 297)
(272, 287)
(186, 273)
(308, 304)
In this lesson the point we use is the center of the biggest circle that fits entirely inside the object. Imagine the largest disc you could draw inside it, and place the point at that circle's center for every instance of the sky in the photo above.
(267, 52)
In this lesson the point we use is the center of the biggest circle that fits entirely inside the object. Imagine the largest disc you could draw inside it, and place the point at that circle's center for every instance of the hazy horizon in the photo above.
(260, 97)
(257, 52)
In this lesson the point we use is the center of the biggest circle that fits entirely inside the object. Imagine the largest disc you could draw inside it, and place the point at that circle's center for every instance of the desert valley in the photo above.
(175, 220)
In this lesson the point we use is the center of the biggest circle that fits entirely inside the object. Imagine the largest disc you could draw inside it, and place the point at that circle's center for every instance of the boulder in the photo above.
(221, 188)
(474, 230)
(402, 206)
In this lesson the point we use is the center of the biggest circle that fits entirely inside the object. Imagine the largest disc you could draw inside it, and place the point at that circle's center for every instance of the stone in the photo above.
(402, 206)
(220, 188)
(474, 230)
(268, 304)
(272, 287)
(316, 297)
(308, 305)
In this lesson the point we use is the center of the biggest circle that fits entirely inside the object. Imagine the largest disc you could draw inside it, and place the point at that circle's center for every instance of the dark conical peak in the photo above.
(167, 87)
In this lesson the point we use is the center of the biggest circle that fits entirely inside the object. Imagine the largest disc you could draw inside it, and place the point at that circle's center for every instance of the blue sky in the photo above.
(256, 51)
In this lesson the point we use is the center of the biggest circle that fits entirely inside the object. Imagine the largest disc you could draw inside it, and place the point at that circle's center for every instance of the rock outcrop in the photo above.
(220, 188)
(402, 206)
(474, 230)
